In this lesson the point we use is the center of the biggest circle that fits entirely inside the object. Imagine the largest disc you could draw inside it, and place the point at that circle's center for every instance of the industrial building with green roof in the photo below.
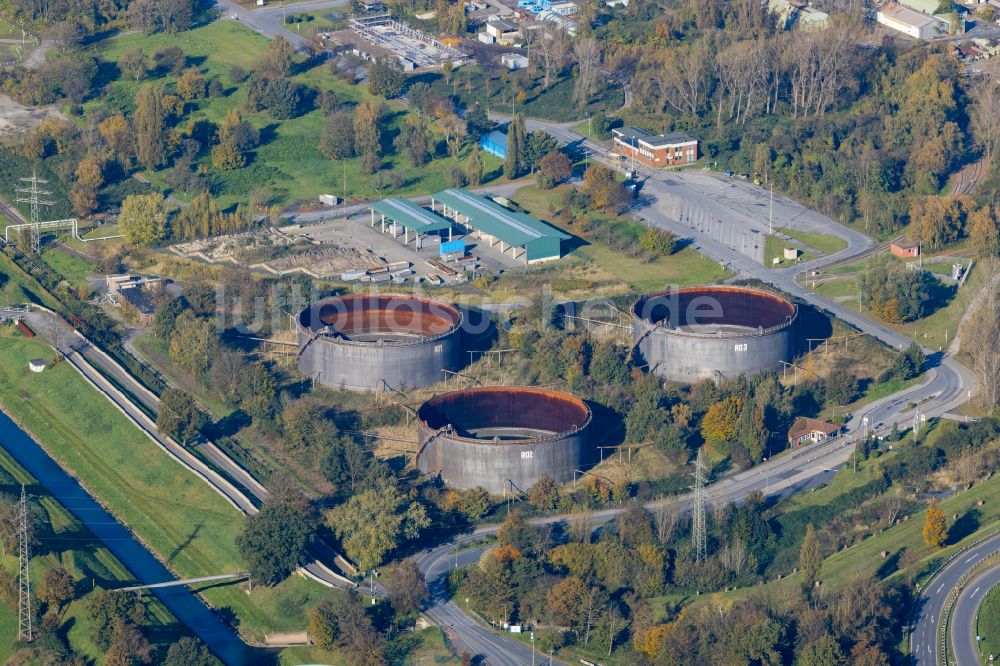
(538, 240)
(413, 218)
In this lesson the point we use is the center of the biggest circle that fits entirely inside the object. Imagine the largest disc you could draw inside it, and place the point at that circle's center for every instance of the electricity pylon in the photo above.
(699, 532)
(24, 615)
(34, 195)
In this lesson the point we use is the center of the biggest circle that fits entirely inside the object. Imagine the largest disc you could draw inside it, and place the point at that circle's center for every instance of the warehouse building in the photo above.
(911, 22)
(411, 218)
(655, 150)
(522, 234)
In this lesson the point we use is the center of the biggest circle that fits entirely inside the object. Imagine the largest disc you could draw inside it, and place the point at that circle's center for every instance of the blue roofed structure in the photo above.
(494, 143)
(513, 231)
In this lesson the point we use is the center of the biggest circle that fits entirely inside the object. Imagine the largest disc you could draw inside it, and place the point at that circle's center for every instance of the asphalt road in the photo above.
(963, 628)
(930, 607)
(268, 20)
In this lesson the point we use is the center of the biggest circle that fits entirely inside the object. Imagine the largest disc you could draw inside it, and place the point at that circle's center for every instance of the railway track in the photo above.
(884, 245)
(966, 181)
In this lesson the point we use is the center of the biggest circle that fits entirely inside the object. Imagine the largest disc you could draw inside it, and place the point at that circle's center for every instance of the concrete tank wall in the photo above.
(676, 349)
(413, 359)
(561, 445)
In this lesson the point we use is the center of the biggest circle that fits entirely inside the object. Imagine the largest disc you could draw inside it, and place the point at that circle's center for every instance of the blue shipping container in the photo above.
(453, 247)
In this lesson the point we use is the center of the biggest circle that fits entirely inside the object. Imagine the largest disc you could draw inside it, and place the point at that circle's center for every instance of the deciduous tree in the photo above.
(275, 542)
(143, 219)
(935, 531)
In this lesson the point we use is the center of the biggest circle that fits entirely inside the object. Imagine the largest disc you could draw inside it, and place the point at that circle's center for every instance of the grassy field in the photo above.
(17, 288)
(604, 262)
(289, 160)
(822, 243)
(988, 624)
(177, 515)
(75, 269)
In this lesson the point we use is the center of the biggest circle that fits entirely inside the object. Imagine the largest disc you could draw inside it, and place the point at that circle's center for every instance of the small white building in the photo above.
(514, 61)
(911, 22)
(36, 365)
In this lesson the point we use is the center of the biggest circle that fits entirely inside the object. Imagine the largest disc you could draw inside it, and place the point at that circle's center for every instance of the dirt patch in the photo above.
(16, 118)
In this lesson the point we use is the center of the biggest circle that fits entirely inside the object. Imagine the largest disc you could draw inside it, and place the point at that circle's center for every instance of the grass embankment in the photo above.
(176, 514)
(288, 161)
(988, 624)
(935, 330)
(65, 542)
(608, 264)
(72, 268)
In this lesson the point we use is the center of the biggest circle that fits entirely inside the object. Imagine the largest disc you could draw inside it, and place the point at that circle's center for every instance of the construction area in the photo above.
(388, 36)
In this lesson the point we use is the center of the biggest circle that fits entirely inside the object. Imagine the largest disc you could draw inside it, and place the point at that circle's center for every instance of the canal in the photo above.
(184, 604)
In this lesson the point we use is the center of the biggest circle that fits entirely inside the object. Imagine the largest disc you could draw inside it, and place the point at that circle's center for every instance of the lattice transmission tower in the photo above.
(32, 194)
(699, 506)
(24, 629)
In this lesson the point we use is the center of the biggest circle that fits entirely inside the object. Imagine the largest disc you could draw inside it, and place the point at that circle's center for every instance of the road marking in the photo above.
(974, 593)
(972, 557)
(941, 587)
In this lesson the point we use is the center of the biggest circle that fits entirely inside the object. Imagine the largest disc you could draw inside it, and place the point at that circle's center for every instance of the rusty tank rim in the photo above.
(437, 319)
(558, 403)
(784, 312)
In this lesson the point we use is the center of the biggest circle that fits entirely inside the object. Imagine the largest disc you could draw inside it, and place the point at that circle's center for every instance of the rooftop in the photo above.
(908, 16)
(410, 215)
(630, 134)
(512, 228)
(803, 425)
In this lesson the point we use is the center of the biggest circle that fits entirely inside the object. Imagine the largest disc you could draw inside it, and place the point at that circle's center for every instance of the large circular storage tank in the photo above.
(375, 342)
(496, 437)
(713, 332)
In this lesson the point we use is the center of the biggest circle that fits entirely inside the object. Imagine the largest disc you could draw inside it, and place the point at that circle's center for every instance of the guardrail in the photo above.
(952, 598)
(942, 647)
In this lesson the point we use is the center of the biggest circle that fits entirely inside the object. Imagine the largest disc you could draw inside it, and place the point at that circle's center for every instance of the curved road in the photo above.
(963, 627)
(924, 641)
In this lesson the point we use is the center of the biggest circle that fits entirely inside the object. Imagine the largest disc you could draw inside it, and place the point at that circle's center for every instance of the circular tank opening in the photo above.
(716, 309)
(371, 317)
(505, 414)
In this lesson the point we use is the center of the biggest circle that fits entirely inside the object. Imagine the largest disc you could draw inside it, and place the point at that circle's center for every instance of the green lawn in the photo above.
(988, 624)
(822, 243)
(73, 268)
(176, 514)
(774, 248)
(681, 268)
(289, 160)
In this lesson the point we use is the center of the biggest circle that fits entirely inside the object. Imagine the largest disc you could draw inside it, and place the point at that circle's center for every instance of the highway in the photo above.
(965, 649)
(926, 634)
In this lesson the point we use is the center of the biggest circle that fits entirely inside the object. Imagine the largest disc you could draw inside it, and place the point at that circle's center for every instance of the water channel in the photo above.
(182, 602)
